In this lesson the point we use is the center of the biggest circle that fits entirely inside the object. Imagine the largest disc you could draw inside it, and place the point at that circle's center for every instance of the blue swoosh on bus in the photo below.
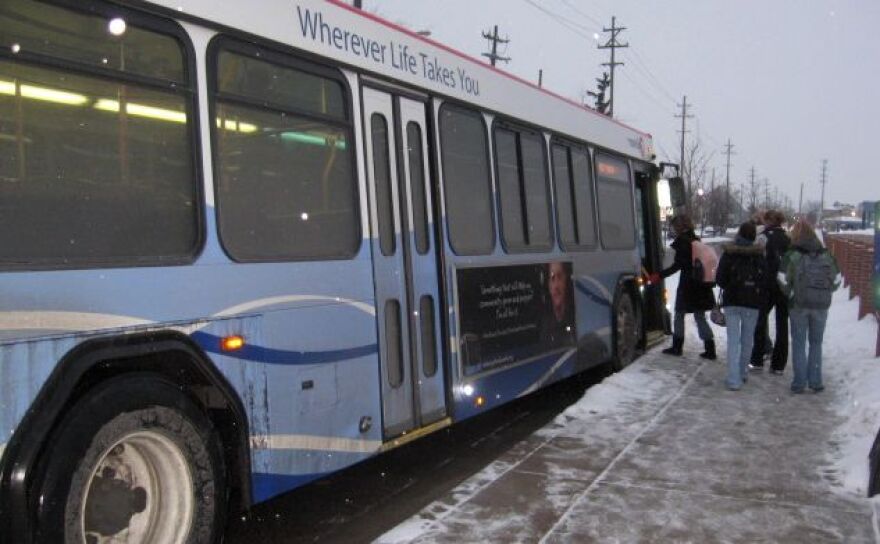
(211, 343)
(598, 299)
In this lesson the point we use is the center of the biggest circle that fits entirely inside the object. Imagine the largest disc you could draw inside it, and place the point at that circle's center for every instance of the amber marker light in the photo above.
(479, 401)
(232, 343)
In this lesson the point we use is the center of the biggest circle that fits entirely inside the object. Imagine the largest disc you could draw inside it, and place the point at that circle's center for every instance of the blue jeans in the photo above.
(807, 324)
(703, 328)
(740, 337)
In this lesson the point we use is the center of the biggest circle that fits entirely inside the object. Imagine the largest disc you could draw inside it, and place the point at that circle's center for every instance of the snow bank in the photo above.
(849, 362)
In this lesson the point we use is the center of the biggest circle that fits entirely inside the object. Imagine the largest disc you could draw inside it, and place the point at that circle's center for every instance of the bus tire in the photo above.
(137, 459)
(624, 331)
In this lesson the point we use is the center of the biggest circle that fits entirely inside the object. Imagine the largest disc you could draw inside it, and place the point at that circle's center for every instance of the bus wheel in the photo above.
(625, 331)
(134, 461)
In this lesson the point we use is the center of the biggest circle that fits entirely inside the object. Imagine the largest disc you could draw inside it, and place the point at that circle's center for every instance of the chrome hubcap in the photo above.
(140, 492)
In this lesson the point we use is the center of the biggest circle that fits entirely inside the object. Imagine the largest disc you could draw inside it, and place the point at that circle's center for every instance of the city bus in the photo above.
(245, 245)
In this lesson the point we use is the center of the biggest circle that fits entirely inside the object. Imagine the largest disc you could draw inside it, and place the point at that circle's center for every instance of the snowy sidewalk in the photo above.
(661, 452)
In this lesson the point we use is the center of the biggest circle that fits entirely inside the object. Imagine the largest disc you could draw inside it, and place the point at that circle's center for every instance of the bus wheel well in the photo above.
(166, 354)
(631, 288)
(213, 397)
(627, 334)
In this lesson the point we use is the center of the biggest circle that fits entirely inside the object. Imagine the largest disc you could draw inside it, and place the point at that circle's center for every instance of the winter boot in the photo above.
(710, 350)
(675, 348)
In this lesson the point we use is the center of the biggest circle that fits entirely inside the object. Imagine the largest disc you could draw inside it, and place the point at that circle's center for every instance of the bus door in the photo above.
(404, 261)
(650, 251)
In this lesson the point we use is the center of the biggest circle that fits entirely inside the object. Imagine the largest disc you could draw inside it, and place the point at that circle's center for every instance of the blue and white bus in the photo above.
(245, 245)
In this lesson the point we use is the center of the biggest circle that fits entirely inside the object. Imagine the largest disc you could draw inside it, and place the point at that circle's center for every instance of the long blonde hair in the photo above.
(803, 232)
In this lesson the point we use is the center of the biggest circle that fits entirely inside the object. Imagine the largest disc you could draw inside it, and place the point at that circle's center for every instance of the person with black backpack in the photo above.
(742, 277)
(693, 295)
(775, 242)
(809, 275)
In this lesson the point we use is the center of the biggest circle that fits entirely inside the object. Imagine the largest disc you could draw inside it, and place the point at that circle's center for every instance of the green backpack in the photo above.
(813, 281)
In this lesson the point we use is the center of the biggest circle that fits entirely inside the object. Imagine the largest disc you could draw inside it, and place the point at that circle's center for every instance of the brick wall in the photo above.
(855, 256)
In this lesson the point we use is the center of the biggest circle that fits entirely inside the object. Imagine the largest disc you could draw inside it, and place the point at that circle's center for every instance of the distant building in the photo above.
(865, 211)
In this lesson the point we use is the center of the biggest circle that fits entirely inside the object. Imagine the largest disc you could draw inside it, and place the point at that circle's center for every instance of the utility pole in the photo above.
(540, 77)
(613, 45)
(684, 117)
(766, 193)
(823, 181)
(728, 150)
(494, 56)
(801, 199)
(753, 191)
(358, 4)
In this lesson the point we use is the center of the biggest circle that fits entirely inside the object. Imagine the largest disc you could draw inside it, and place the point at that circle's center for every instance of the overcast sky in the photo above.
(789, 82)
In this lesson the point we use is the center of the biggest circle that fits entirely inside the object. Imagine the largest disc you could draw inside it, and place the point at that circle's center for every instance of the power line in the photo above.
(657, 101)
(580, 30)
(641, 64)
(565, 22)
(636, 57)
(582, 14)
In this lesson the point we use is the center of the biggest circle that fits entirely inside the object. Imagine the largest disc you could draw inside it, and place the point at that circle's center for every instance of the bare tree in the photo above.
(694, 173)
(716, 208)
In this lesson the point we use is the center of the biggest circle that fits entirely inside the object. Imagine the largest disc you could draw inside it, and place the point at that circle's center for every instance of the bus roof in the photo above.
(338, 31)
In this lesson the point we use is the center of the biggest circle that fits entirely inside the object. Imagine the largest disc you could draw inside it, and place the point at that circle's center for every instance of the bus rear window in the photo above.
(93, 170)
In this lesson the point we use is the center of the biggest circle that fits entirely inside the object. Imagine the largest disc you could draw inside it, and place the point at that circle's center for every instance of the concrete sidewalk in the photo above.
(663, 453)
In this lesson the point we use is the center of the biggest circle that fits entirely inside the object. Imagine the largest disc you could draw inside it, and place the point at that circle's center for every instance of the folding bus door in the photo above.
(650, 251)
(404, 262)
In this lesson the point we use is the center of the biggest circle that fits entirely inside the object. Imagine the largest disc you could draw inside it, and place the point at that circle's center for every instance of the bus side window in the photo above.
(523, 193)
(573, 182)
(284, 166)
(465, 152)
(96, 141)
(617, 224)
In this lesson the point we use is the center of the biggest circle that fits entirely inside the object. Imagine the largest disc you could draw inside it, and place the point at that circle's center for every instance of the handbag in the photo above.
(717, 314)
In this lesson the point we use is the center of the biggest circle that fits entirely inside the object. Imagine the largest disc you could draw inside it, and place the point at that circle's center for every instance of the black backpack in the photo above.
(748, 282)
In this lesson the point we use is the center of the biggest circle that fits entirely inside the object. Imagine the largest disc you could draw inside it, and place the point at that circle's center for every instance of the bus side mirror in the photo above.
(676, 192)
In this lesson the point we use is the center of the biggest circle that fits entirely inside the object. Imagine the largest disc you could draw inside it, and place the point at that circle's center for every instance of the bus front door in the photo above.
(404, 261)
(651, 253)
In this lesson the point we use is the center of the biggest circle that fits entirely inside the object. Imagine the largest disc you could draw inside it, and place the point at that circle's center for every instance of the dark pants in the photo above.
(780, 348)
(703, 328)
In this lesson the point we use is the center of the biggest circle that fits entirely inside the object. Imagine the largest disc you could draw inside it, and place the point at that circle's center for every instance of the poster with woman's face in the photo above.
(511, 313)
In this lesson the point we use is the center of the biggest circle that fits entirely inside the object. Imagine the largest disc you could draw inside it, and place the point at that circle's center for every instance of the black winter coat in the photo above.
(777, 243)
(733, 294)
(691, 296)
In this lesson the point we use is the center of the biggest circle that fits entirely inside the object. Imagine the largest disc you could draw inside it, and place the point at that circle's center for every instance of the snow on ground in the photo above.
(621, 464)
(849, 364)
